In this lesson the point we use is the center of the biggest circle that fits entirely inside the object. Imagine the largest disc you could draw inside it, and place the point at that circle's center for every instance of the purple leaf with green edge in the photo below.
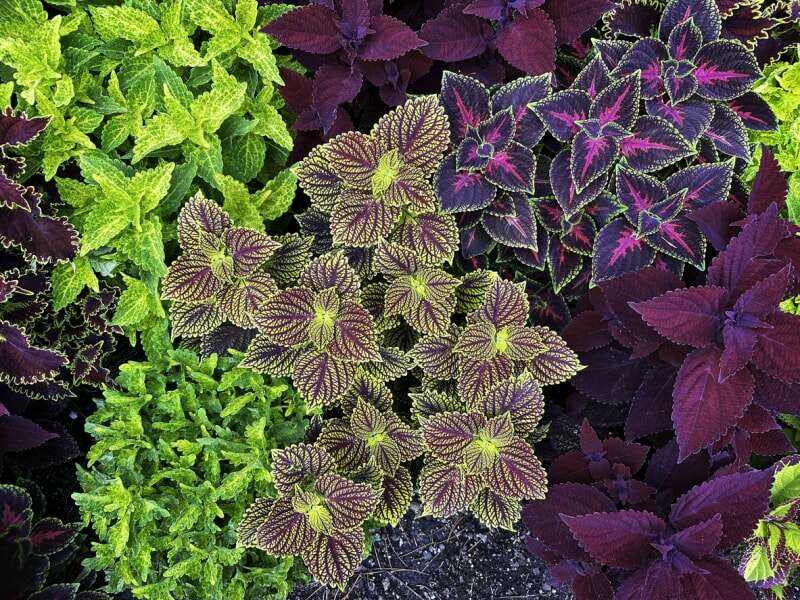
(528, 43)
(477, 377)
(573, 19)
(560, 113)
(638, 192)
(22, 363)
(517, 472)
(776, 350)
(447, 435)
(367, 389)
(454, 36)
(360, 220)
(691, 118)
(651, 407)
(394, 364)
(17, 129)
(331, 271)
(50, 535)
(284, 532)
(563, 264)
(319, 179)
(619, 539)
(689, 316)
(434, 237)
(685, 41)
(354, 156)
(193, 320)
(350, 504)
(564, 188)
(591, 158)
(430, 402)
(618, 250)
(47, 239)
(513, 168)
(477, 341)
(679, 81)
(499, 129)
(704, 14)
(462, 191)
(284, 318)
(425, 299)
(645, 56)
(534, 258)
(321, 379)
(395, 497)
(517, 230)
(593, 78)
(557, 364)
(394, 260)
(354, 337)
(550, 213)
(517, 95)
(12, 194)
(19, 433)
(578, 234)
(611, 51)
(474, 241)
(506, 303)
(239, 302)
(725, 70)
(495, 510)
(770, 184)
(338, 440)
(445, 489)
(519, 397)
(618, 103)
(704, 409)
(249, 248)
(681, 239)
(754, 112)
(16, 511)
(434, 355)
(418, 130)
(299, 464)
(704, 184)
(634, 19)
(654, 144)
(472, 154)
(264, 356)
(465, 101)
(332, 559)
(190, 279)
(728, 134)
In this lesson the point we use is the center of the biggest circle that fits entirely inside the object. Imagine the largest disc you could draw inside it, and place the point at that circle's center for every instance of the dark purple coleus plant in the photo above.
(697, 80)
(488, 178)
(526, 33)
(644, 536)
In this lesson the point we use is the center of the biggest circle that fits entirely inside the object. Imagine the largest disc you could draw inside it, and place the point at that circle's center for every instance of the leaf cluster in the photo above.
(181, 448)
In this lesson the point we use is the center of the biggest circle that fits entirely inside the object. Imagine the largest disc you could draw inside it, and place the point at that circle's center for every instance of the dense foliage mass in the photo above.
(270, 271)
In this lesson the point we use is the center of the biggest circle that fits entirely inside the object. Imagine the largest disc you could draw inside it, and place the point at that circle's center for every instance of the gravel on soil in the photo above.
(455, 559)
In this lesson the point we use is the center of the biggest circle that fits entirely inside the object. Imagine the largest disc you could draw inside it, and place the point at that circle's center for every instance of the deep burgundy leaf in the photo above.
(651, 408)
(308, 28)
(574, 17)
(529, 42)
(392, 39)
(453, 36)
(769, 186)
(18, 433)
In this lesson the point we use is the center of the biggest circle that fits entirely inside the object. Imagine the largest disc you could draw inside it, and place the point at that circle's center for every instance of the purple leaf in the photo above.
(635, 19)
(17, 129)
(488, 9)
(466, 102)
(691, 118)
(611, 51)
(654, 144)
(769, 186)
(578, 233)
(512, 168)
(561, 112)
(563, 264)
(728, 134)
(18, 433)
(593, 78)
(517, 230)
(638, 192)
(740, 499)
(704, 408)
(22, 363)
(565, 189)
(310, 28)
(454, 36)
(618, 250)
(572, 19)
(391, 39)
(462, 191)
(646, 56)
(704, 14)
(49, 239)
(618, 103)
(517, 95)
(617, 539)
(724, 70)
(754, 112)
(651, 408)
(715, 222)
(704, 184)
(777, 351)
(685, 41)
(474, 241)
(591, 158)
(529, 42)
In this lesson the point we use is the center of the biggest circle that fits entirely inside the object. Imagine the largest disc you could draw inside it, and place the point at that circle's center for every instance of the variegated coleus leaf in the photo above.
(429, 402)
(348, 451)
(434, 237)
(372, 427)
(484, 450)
(557, 364)
(435, 355)
(471, 292)
(496, 511)
(288, 261)
(331, 270)
(201, 224)
(264, 356)
(194, 320)
(517, 473)
(300, 464)
(332, 559)
(483, 340)
(322, 379)
(448, 435)
(445, 489)
(239, 301)
(506, 303)
(520, 397)
(275, 527)
(349, 503)
(393, 364)
(395, 497)
(367, 389)
(425, 299)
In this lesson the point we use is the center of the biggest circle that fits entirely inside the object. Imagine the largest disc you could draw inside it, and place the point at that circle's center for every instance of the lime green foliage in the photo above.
(151, 100)
(181, 449)
(780, 87)
(774, 547)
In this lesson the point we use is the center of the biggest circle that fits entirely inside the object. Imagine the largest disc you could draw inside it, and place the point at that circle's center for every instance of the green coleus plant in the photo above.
(182, 447)
(151, 100)
(773, 550)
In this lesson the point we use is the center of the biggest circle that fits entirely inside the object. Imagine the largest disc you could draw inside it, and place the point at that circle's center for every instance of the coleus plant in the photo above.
(697, 80)
(489, 176)
(526, 33)
(652, 538)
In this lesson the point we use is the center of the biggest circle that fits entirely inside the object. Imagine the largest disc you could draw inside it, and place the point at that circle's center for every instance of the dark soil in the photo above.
(457, 559)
